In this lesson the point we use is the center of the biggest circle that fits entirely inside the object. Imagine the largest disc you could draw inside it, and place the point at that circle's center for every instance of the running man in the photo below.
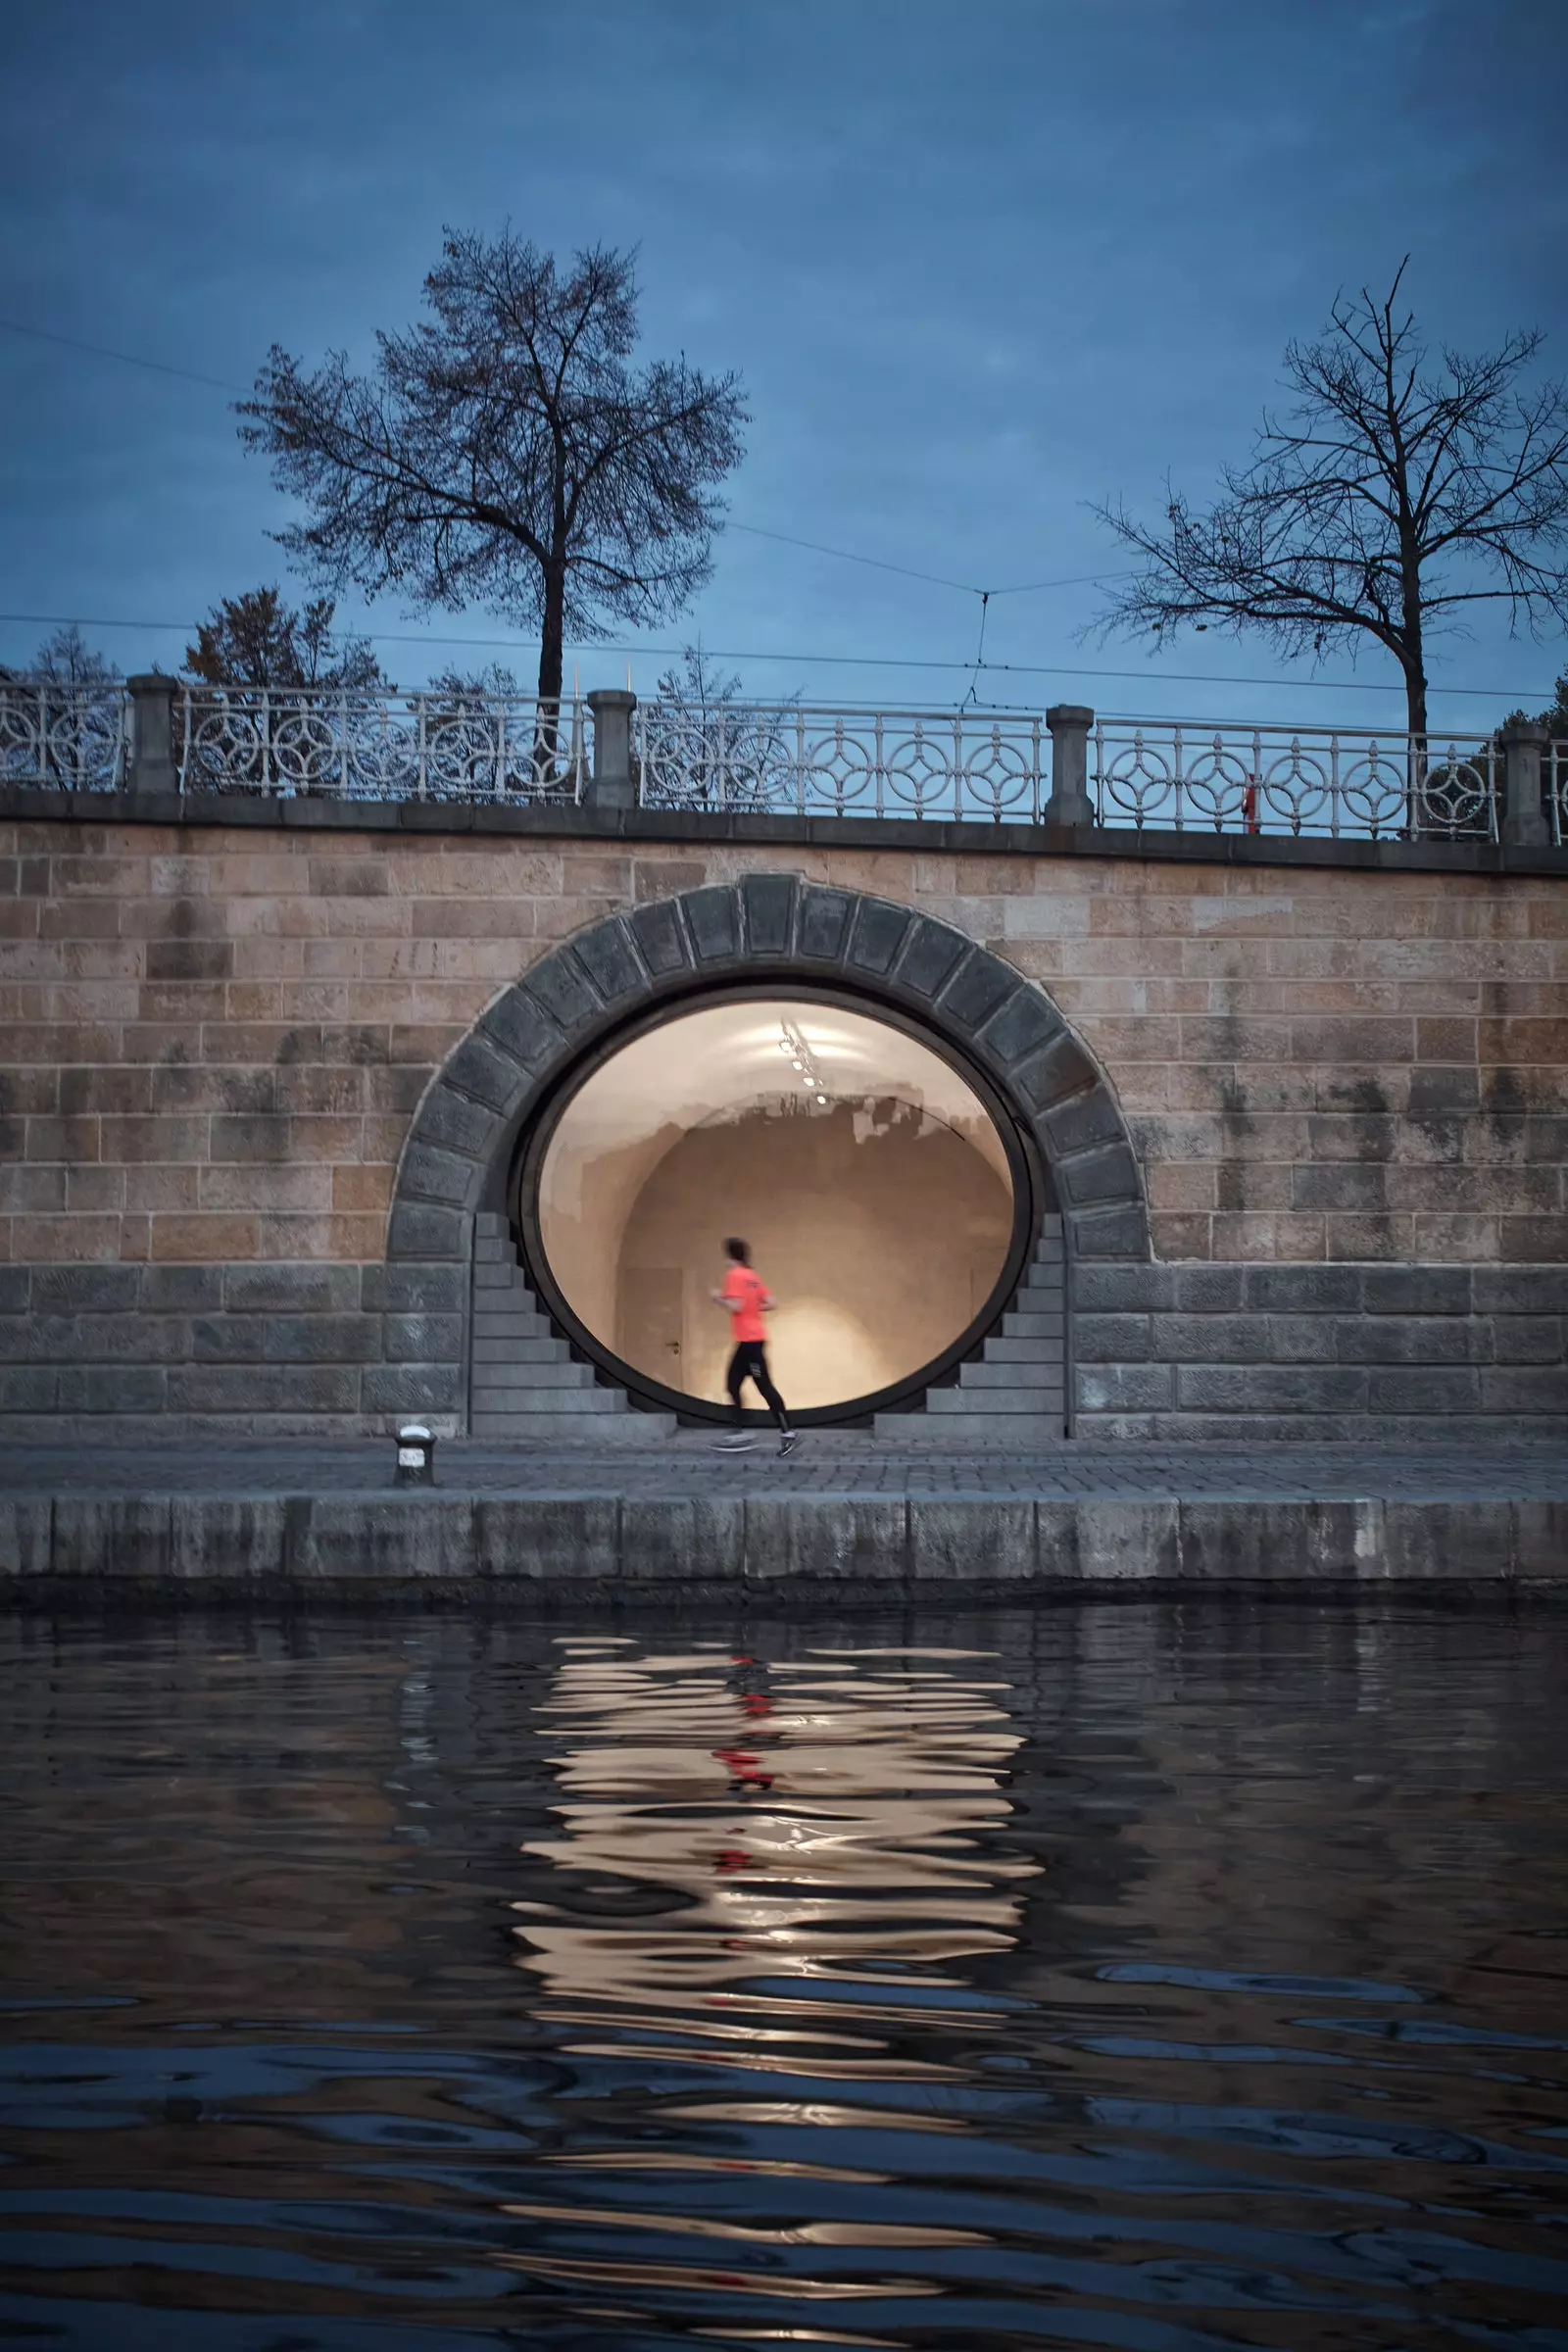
(748, 1299)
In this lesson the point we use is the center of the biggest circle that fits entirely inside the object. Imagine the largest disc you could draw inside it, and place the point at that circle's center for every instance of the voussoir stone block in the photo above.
(931, 953)
(713, 919)
(1027, 1021)
(1083, 1121)
(561, 985)
(877, 936)
(519, 1024)
(769, 902)
(660, 937)
(433, 1175)
(822, 926)
(1108, 1174)
(609, 958)
(456, 1124)
(481, 1070)
(978, 989)
(1060, 1067)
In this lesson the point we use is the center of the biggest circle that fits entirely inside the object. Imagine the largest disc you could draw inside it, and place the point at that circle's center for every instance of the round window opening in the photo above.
(885, 1207)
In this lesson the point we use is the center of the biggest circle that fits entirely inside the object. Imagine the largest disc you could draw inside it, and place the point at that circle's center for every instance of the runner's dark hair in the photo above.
(740, 1251)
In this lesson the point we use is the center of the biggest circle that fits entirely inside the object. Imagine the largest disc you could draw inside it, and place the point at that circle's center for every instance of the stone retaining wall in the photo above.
(861, 1551)
(1320, 1352)
(1345, 1079)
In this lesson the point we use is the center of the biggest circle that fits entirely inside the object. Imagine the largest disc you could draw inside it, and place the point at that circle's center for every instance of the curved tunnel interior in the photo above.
(882, 1205)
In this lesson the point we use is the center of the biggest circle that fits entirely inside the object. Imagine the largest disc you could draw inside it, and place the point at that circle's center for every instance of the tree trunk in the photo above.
(1415, 692)
(552, 662)
(1415, 705)
(552, 643)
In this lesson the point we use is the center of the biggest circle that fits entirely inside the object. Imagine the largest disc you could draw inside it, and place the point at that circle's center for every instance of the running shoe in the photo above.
(788, 1441)
(737, 1443)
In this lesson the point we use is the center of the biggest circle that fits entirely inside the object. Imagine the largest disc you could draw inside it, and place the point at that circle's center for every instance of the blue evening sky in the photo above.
(979, 262)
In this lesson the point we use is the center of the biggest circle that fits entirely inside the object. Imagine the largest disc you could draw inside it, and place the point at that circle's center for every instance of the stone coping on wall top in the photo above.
(969, 837)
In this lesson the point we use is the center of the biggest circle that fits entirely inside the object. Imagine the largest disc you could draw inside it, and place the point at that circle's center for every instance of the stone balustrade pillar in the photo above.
(611, 784)
(153, 766)
(1524, 820)
(1069, 802)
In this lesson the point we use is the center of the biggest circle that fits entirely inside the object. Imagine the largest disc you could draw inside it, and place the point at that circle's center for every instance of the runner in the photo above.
(748, 1300)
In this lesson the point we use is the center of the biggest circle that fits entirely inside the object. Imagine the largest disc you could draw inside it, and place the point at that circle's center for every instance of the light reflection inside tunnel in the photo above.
(871, 1181)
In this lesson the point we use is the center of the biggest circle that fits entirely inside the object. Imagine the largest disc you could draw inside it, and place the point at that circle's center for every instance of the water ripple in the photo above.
(1126, 1977)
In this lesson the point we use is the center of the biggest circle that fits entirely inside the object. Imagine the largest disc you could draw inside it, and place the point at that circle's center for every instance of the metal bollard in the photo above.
(415, 1456)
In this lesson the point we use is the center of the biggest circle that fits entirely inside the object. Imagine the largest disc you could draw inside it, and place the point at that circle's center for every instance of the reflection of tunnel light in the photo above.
(878, 1202)
(728, 1826)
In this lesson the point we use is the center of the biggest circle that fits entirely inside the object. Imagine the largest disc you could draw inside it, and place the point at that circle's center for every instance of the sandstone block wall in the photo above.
(213, 1039)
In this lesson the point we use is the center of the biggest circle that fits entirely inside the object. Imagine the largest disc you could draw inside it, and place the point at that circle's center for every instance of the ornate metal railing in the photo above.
(66, 739)
(818, 762)
(1555, 759)
(1185, 778)
(358, 746)
(1164, 774)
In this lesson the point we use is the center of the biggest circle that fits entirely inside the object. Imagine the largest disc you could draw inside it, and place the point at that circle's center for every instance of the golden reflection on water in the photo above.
(724, 1823)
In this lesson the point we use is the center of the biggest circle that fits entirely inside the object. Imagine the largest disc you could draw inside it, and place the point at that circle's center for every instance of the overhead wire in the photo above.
(754, 530)
(719, 653)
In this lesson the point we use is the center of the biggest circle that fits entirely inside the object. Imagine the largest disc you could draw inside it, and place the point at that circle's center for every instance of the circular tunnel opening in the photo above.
(887, 1195)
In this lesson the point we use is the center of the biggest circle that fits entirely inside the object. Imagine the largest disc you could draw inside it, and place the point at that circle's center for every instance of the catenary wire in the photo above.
(756, 530)
(674, 653)
(753, 530)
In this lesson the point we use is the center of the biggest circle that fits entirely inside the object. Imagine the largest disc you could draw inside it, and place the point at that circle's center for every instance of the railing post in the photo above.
(153, 766)
(611, 786)
(1524, 817)
(1069, 802)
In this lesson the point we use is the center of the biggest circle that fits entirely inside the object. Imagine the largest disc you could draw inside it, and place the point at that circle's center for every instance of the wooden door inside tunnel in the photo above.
(651, 1319)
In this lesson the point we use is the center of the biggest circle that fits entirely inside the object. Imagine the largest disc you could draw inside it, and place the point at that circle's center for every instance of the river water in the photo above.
(1169, 1979)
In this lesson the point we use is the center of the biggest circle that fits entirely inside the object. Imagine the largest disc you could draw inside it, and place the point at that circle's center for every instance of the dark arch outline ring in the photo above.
(1028, 1187)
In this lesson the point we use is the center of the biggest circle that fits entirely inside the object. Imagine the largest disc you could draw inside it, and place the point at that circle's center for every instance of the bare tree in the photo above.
(66, 660)
(256, 640)
(508, 450)
(1390, 498)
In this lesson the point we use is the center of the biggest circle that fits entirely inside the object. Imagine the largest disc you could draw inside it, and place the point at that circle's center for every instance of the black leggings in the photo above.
(750, 1363)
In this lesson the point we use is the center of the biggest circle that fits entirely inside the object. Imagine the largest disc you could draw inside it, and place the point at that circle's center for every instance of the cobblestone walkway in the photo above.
(826, 1464)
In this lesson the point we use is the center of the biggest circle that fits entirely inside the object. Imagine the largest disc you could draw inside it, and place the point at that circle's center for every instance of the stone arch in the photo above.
(764, 927)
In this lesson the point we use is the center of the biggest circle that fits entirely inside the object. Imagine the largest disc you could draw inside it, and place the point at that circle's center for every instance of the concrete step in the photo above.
(509, 1347)
(597, 1404)
(1024, 1323)
(948, 1403)
(1040, 1372)
(554, 1374)
(1024, 1348)
(561, 1429)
